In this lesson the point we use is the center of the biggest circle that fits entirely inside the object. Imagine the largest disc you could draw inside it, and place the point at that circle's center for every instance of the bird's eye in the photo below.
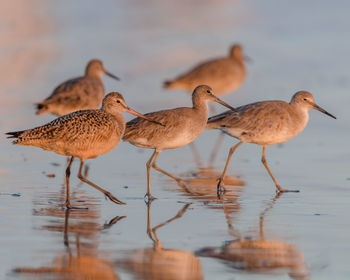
(118, 101)
(305, 99)
(208, 91)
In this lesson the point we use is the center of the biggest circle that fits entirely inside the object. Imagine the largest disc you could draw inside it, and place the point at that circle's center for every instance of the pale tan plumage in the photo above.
(266, 123)
(181, 127)
(83, 134)
(80, 93)
(223, 75)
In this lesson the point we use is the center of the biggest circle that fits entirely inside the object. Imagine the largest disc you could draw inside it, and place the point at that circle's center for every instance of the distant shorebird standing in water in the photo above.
(80, 93)
(265, 123)
(182, 126)
(84, 134)
(223, 75)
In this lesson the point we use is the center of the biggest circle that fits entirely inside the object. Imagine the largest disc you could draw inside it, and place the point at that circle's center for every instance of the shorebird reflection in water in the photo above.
(80, 93)
(162, 263)
(181, 127)
(265, 123)
(260, 255)
(81, 257)
(83, 134)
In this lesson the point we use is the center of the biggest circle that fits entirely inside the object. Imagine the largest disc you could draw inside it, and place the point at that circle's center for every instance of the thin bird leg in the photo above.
(65, 235)
(278, 187)
(106, 193)
(231, 230)
(178, 180)
(220, 187)
(148, 195)
(152, 232)
(215, 150)
(177, 216)
(67, 203)
(149, 231)
(263, 214)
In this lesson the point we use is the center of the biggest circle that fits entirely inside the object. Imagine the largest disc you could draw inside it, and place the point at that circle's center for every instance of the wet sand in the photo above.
(184, 234)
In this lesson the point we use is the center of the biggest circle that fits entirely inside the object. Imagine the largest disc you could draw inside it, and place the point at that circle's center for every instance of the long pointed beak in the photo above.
(322, 110)
(224, 103)
(131, 111)
(111, 75)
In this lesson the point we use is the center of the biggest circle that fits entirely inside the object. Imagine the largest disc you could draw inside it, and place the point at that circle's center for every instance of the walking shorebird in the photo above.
(223, 75)
(80, 93)
(182, 126)
(265, 123)
(83, 134)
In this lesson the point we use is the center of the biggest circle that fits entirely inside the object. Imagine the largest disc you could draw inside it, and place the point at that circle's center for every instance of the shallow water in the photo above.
(182, 235)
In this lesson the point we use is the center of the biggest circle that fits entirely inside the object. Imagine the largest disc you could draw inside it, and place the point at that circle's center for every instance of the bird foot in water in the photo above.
(67, 205)
(149, 198)
(282, 190)
(220, 188)
(113, 198)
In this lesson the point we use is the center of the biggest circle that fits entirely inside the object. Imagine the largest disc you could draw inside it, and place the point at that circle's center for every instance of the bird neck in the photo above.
(237, 55)
(93, 73)
(301, 113)
(199, 104)
(110, 108)
(117, 117)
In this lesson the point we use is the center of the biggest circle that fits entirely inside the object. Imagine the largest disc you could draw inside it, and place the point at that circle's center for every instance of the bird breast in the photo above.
(182, 126)
(265, 123)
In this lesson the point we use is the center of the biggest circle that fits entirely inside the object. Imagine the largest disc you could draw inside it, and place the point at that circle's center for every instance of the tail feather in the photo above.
(214, 122)
(167, 84)
(212, 126)
(14, 134)
(179, 83)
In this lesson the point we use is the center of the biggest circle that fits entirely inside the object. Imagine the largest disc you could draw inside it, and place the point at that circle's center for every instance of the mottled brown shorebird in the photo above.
(83, 134)
(223, 75)
(265, 123)
(80, 93)
(182, 126)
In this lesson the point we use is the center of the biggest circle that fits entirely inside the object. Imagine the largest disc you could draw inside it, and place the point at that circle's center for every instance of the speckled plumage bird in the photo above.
(80, 93)
(83, 134)
(181, 127)
(223, 75)
(266, 123)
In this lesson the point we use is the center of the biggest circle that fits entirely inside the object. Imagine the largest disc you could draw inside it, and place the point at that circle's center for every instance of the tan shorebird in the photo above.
(181, 127)
(83, 134)
(80, 93)
(223, 75)
(265, 123)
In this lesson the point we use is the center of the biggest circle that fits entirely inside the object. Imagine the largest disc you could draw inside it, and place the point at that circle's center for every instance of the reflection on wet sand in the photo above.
(261, 255)
(201, 185)
(81, 257)
(160, 263)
